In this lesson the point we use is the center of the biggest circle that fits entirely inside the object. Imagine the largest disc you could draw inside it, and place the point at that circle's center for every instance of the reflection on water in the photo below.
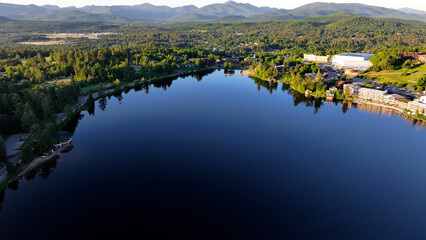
(46, 169)
(223, 157)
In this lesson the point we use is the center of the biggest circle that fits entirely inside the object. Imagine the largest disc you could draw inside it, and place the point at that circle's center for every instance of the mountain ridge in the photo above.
(229, 11)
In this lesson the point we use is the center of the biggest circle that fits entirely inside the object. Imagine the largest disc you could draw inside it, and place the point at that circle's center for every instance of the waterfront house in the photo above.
(402, 103)
(417, 106)
(372, 94)
(391, 98)
(355, 90)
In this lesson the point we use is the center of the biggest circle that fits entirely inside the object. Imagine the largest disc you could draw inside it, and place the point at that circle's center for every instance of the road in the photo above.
(13, 143)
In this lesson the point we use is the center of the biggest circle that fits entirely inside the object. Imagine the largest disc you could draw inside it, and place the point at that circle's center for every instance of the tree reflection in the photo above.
(2, 194)
(270, 86)
(119, 97)
(103, 103)
(73, 123)
(91, 108)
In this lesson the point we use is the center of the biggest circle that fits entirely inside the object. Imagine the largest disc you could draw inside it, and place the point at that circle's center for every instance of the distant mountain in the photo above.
(11, 10)
(52, 13)
(232, 8)
(4, 20)
(193, 17)
(144, 11)
(229, 11)
(51, 7)
(323, 9)
(73, 15)
(233, 18)
(412, 11)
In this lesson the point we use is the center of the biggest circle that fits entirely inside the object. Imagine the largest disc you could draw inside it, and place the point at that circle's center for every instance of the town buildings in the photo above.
(372, 94)
(355, 90)
(418, 105)
(354, 61)
(414, 56)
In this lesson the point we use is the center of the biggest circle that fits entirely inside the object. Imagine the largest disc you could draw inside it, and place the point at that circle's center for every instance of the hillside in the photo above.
(323, 9)
(8, 9)
(193, 17)
(73, 15)
(412, 11)
(232, 8)
(4, 20)
(149, 12)
(232, 18)
(144, 11)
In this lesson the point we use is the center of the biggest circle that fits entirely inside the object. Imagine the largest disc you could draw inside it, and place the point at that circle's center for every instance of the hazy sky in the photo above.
(288, 4)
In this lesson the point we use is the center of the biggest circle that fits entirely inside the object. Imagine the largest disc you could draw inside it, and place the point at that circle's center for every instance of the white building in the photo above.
(372, 94)
(418, 105)
(315, 58)
(355, 61)
(356, 90)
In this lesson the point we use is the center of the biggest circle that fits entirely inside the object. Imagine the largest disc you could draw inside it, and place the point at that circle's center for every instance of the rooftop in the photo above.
(364, 55)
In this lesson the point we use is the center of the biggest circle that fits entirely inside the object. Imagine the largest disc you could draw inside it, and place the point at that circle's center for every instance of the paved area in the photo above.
(14, 142)
(58, 81)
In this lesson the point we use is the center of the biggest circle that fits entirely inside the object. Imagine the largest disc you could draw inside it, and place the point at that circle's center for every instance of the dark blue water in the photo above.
(226, 158)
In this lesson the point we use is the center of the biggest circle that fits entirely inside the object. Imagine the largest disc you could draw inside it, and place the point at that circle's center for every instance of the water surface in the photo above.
(226, 158)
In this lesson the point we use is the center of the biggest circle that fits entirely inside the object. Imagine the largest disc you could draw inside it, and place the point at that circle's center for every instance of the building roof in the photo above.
(372, 90)
(366, 56)
(420, 104)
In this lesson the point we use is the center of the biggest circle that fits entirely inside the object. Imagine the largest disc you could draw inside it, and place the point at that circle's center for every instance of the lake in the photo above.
(226, 157)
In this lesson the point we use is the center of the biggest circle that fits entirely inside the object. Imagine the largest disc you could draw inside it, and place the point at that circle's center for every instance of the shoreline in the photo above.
(399, 111)
(80, 106)
(131, 85)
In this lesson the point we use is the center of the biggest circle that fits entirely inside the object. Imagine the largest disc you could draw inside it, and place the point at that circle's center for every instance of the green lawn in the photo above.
(89, 88)
(395, 75)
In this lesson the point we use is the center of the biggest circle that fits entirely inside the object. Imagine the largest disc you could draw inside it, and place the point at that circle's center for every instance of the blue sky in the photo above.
(288, 4)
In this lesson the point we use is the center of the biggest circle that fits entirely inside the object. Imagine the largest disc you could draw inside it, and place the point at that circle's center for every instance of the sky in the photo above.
(287, 4)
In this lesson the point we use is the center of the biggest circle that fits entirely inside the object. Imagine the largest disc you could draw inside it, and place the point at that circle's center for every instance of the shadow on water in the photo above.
(46, 169)
(43, 171)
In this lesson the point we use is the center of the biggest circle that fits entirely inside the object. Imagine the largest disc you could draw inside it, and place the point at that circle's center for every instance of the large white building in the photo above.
(355, 61)
(418, 105)
(315, 58)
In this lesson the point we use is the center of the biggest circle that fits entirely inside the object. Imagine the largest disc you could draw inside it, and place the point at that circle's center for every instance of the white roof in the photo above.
(366, 56)
(420, 104)
(372, 90)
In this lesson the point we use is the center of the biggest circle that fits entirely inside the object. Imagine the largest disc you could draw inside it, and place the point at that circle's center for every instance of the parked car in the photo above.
(47, 153)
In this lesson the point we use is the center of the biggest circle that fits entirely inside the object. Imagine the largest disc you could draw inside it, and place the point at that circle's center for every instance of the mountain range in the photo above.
(229, 11)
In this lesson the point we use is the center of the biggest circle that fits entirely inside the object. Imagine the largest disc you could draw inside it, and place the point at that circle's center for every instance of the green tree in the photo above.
(319, 76)
(28, 117)
(69, 111)
(3, 153)
(347, 92)
(27, 154)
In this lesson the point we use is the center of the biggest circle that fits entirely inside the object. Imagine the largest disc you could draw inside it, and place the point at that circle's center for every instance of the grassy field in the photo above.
(89, 88)
(59, 36)
(44, 43)
(393, 76)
